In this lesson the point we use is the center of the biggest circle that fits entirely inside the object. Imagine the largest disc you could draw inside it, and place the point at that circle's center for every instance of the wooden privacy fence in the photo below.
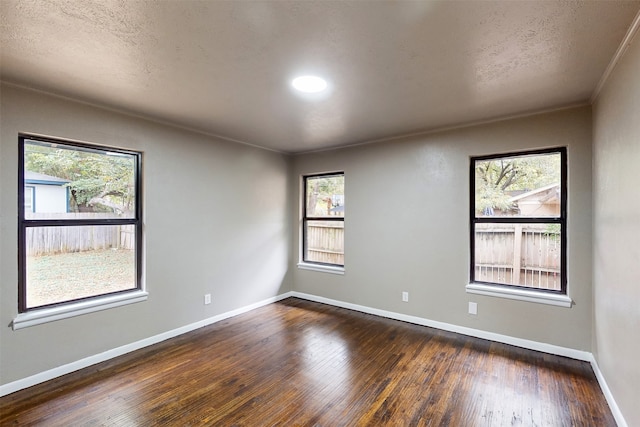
(325, 242)
(64, 239)
(524, 255)
(500, 250)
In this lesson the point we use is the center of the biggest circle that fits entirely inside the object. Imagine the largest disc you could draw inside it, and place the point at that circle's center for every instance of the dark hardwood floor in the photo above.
(299, 363)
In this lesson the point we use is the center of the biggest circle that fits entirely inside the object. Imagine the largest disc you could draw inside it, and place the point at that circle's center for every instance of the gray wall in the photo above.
(216, 220)
(222, 218)
(407, 227)
(616, 256)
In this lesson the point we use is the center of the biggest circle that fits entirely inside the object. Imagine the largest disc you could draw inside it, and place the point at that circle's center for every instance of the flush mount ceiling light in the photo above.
(309, 84)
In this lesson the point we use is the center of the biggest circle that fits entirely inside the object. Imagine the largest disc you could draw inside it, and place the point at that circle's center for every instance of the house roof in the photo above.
(40, 178)
(536, 191)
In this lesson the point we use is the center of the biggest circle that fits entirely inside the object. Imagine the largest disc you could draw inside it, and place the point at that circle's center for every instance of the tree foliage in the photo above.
(98, 182)
(496, 180)
(320, 193)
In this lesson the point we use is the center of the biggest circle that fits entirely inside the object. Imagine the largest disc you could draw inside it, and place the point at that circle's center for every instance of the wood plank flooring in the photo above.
(299, 363)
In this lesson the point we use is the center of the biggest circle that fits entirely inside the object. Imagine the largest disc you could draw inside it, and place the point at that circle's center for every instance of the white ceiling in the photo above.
(394, 68)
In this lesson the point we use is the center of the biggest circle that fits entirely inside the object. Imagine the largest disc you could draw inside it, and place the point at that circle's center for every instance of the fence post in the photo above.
(517, 254)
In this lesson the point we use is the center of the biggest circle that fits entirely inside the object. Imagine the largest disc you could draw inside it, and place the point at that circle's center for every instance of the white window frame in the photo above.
(303, 263)
(522, 293)
(30, 316)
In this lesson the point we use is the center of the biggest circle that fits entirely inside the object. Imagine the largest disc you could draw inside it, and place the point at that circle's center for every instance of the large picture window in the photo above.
(518, 220)
(323, 219)
(79, 222)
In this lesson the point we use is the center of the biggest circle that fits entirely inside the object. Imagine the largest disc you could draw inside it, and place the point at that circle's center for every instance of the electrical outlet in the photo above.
(405, 296)
(207, 299)
(473, 308)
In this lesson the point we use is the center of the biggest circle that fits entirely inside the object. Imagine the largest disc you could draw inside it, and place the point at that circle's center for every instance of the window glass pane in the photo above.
(525, 186)
(71, 182)
(325, 196)
(72, 262)
(518, 254)
(325, 242)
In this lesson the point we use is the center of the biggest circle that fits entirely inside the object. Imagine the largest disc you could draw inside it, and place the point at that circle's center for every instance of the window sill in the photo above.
(45, 315)
(321, 268)
(520, 294)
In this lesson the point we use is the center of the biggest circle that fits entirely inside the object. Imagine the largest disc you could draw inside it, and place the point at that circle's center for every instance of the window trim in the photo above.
(79, 305)
(305, 263)
(520, 294)
(66, 310)
(516, 291)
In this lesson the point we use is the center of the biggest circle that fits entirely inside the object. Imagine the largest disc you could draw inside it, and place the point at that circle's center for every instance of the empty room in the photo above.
(319, 213)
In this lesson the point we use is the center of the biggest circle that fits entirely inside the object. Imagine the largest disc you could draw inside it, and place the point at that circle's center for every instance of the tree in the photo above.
(98, 182)
(320, 191)
(497, 179)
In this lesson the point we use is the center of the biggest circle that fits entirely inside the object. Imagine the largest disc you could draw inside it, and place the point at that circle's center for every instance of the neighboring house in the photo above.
(336, 204)
(543, 201)
(45, 194)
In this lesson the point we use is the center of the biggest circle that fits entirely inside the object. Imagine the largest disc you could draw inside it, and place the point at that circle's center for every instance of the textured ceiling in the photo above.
(394, 68)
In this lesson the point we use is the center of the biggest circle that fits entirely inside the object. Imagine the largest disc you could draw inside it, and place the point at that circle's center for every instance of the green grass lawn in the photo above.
(68, 276)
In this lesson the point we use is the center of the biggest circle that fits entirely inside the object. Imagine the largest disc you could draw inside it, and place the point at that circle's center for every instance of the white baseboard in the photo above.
(615, 410)
(518, 342)
(119, 351)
